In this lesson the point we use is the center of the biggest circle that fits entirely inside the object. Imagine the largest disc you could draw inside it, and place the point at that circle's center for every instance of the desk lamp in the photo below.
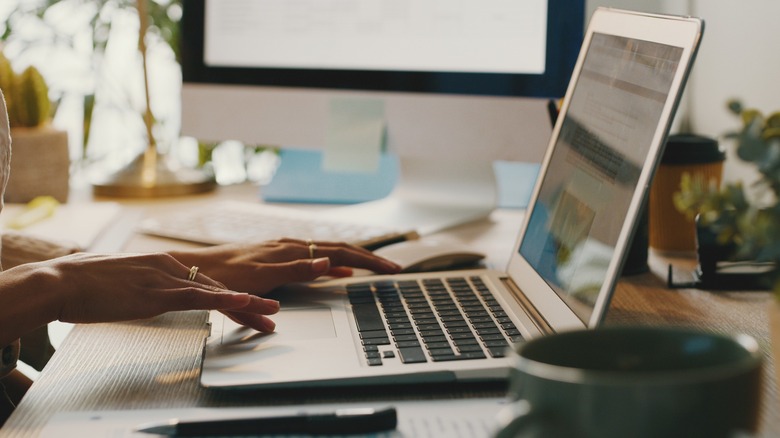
(149, 174)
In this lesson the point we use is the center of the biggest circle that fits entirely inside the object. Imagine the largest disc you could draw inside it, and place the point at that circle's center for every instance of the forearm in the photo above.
(29, 299)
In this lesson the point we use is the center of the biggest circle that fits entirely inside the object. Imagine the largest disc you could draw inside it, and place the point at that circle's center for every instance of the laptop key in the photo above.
(429, 339)
(374, 362)
(472, 355)
(485, 325)
(361, 300)
(497, 351)
(459, 323)
(435, 345)
(489, 332)
(468, 341)
(468, 348)
(398, 320)
(496, 343)
(373, 334)
(367, 317)
(440, 352)
(400, 325)
(425, 319)
(455, 330)
(461, 336)
(407, 344)
(402, 331)
(464, 356)
(429, 326)
(377, 341)
(444, 358)
(412, 355)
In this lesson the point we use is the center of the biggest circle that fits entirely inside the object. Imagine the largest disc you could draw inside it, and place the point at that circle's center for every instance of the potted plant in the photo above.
(40, 157)
(746, 220)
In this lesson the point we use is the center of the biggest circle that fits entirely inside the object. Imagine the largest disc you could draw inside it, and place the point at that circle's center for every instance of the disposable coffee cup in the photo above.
(670, 230)
(633, 382)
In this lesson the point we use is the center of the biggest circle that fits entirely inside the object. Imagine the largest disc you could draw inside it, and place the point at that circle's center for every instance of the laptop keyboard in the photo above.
(439, 319)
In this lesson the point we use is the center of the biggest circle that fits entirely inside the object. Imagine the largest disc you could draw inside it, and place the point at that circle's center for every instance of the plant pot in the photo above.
(40, 164)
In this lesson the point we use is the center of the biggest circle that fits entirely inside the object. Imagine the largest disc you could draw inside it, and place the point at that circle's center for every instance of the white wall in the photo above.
(739, 58)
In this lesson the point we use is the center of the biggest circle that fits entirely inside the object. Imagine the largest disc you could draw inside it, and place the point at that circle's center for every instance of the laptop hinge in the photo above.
(528, 308)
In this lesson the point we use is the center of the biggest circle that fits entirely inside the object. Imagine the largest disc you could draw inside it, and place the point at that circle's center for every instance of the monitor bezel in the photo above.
(565, 29)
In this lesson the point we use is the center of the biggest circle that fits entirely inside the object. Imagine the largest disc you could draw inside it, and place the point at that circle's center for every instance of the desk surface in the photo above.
(155, 363)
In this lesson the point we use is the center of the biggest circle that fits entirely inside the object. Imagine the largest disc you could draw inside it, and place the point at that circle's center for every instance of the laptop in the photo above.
(457, 325)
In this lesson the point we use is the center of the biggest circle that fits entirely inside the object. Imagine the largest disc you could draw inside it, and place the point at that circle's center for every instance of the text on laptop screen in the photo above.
(593, 172)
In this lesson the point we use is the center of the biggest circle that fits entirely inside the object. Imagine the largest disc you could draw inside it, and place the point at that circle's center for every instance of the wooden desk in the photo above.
(155, 363)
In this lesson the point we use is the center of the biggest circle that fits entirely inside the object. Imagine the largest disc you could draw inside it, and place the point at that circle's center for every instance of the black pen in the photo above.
(339, 422)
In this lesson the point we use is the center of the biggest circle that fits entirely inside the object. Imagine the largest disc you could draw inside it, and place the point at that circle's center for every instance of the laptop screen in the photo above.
(604, 140)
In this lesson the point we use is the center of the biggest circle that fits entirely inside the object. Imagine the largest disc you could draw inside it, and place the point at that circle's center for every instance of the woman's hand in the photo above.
(85, 288)
(261, 267)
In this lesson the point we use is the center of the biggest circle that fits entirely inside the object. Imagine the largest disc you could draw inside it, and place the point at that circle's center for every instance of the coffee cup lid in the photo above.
(691, 149)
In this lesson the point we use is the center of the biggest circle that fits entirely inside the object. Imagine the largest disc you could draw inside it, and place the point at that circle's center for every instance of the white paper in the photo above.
(77, 223)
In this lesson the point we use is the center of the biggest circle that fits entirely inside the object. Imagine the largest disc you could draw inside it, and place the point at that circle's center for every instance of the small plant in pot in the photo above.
(746, 219)
(40, 159)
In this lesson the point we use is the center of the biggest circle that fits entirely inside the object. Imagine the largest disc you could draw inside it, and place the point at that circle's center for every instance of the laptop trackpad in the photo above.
(305, 323)
(292, 324)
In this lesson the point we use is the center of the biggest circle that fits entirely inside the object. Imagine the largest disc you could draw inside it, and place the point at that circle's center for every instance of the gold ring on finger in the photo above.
(193, 273)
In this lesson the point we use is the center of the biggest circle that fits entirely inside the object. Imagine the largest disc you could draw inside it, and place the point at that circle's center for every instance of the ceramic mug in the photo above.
(633, 382)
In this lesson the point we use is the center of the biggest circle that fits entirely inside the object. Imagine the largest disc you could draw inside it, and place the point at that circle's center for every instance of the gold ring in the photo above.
(193, 273)
(312, 248)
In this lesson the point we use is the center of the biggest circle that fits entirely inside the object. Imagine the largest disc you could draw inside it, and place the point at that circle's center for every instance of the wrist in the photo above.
(30, 297)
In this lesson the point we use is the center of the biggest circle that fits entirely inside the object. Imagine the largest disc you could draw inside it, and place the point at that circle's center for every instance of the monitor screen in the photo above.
(482, 47)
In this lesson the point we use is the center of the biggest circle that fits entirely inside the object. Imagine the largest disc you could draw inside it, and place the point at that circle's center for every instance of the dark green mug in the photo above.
(634, 382)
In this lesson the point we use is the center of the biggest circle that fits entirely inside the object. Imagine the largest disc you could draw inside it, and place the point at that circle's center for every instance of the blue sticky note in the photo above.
(301, 177)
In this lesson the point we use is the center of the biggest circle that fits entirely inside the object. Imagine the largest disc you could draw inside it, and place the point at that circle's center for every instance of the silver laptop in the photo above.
(457, 325)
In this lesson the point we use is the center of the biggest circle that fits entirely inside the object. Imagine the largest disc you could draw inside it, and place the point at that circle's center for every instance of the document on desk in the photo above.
(467, 418)
(78, 223)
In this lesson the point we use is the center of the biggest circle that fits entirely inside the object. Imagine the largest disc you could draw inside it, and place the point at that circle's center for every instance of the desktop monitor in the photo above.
(448, 87)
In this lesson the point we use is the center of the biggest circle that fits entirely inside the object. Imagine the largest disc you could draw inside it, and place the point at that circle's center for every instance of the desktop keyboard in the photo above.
(436, 319)
(233, 221)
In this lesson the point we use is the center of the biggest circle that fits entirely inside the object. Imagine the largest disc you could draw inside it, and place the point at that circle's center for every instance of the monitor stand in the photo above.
(430, 195)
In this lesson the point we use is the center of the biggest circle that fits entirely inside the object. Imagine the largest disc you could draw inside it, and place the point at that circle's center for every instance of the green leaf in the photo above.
(735, 106)
(773, 121)
(750, 149)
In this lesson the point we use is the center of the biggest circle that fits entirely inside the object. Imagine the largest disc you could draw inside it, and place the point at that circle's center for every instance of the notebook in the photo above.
(457, 325)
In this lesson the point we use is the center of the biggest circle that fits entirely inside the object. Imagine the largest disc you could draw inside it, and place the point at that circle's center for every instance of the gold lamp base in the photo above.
(148, 176)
